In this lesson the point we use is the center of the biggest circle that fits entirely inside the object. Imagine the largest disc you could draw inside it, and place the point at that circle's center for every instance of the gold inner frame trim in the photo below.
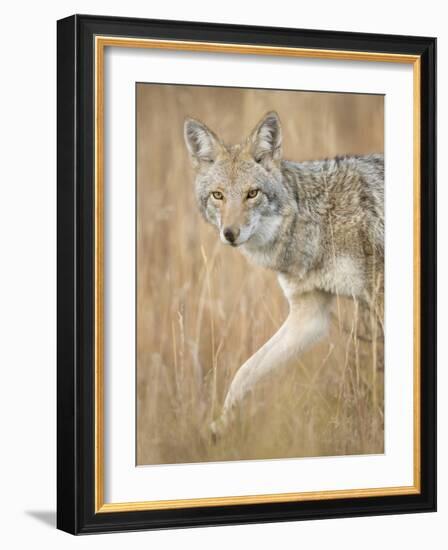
(101, 42)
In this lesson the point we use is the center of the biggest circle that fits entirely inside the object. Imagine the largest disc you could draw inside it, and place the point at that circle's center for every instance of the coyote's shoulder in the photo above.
(335, 238)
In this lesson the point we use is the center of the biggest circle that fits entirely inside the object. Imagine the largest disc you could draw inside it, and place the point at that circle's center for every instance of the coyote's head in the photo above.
(239, 188)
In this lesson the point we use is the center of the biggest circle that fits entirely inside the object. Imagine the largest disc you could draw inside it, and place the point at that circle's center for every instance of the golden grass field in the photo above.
(202, 309)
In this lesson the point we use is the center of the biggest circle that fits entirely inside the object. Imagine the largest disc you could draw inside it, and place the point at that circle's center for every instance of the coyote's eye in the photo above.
(217, 195)
(252, 193)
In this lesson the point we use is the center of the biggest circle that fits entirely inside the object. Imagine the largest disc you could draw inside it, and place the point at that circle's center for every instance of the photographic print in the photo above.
(259, 273)
(246, 289)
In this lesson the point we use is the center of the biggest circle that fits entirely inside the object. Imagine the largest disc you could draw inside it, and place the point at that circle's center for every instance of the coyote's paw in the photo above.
(216, 430)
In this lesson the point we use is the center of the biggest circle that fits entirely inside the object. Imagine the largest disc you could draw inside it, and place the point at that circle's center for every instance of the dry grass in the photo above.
(202, 310)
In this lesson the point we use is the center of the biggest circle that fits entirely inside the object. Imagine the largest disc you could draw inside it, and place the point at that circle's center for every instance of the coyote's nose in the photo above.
(230, 234)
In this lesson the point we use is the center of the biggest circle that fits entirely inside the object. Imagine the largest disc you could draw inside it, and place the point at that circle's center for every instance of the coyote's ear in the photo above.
(202, 144)
(265, 141)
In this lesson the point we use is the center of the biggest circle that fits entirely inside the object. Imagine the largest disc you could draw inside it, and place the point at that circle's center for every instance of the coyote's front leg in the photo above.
(307, 322)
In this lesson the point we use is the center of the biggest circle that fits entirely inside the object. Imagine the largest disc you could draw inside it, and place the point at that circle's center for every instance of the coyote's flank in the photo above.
(319, 225)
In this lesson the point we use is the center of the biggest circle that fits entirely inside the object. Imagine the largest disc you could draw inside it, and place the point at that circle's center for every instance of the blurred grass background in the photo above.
(202, 310)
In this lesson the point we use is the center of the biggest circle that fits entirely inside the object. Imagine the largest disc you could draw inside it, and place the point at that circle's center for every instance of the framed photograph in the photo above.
(246, 274)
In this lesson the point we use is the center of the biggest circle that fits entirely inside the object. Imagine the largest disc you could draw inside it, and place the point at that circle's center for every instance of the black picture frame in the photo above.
(76, 272)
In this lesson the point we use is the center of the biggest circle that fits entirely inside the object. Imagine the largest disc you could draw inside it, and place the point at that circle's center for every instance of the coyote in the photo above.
(318, 224)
